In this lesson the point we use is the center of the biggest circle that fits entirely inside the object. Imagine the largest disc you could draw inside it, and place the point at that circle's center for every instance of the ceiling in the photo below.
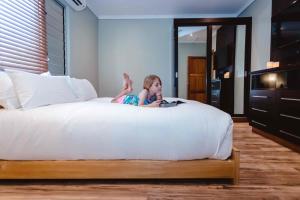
(195, 34)
(134, 9)
(192, 34)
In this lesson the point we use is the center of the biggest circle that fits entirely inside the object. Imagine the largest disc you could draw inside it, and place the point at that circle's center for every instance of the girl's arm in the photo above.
(159, 96)
(143, 95)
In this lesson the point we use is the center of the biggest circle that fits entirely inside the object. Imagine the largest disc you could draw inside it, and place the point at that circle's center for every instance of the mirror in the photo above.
(239, 72)
(228, 68)
(212, 62)
(192, 64)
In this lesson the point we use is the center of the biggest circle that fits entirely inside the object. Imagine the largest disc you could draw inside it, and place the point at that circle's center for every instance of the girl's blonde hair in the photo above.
(148, 81)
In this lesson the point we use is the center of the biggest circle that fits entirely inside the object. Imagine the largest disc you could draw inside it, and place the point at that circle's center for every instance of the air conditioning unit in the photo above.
(77, 4)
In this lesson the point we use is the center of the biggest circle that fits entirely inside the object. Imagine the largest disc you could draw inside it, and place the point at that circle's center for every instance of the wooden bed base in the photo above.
(123, 169)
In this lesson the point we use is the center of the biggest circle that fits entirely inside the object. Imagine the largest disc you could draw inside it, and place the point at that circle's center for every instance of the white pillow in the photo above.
(83, 89)
(34, 90)
(47, 73)
(8, 97)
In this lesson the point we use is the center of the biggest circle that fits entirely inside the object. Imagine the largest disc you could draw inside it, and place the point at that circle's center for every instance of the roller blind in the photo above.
(55, 37)
(23, 42)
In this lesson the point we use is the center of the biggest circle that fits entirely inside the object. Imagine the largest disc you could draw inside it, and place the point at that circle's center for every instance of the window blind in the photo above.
(55, 37)
(23, 42)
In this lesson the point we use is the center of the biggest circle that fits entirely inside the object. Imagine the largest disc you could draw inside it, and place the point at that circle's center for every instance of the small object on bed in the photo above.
(166, 104)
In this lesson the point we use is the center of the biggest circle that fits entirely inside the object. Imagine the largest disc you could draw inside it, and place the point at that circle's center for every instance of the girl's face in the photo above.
(155, 87)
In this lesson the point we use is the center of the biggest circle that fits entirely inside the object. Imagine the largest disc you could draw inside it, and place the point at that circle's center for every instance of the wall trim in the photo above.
(244, 7)
(166, 16)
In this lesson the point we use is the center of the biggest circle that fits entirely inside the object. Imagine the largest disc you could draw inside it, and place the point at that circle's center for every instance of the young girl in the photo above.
(150, 96)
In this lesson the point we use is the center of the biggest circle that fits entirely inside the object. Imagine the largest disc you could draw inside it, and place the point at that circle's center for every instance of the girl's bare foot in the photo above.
(125, 81)
(129, 88)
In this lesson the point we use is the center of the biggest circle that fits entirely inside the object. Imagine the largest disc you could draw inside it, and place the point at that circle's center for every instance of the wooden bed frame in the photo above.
(123, 169)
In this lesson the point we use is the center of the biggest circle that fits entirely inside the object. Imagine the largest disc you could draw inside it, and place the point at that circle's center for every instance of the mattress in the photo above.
(98, 129)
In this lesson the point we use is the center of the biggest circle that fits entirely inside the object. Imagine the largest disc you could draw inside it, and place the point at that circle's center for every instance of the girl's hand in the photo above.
(155, 103)
(159, 96)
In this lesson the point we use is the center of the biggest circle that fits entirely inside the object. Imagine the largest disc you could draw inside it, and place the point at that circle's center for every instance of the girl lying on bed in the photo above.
(150, 96)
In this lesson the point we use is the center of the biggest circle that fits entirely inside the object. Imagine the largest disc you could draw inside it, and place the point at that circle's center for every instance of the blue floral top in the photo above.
(134, 100)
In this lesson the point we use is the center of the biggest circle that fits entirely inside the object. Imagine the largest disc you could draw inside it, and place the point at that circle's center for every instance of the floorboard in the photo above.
(268, 171)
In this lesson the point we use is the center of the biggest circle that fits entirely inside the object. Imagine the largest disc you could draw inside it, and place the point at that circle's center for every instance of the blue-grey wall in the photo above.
(101, 50)
(261, 13)
(81, 44)
(139, 47)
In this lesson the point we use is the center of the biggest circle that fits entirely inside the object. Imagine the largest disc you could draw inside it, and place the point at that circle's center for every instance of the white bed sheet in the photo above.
(98, 129)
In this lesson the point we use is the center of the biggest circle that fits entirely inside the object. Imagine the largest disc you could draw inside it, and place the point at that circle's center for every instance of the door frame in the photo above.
(208, 22)
(188, 72)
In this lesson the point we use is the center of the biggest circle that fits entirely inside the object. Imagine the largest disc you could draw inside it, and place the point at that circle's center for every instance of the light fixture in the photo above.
(272, 77)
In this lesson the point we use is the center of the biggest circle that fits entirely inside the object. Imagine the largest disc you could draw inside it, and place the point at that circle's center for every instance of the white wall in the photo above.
(139, 47)
(81, 44)
(185, 50)
(261, 12)
(84, 46)
(239, 69)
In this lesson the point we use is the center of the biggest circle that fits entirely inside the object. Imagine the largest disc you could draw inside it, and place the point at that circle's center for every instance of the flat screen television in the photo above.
(285, 44)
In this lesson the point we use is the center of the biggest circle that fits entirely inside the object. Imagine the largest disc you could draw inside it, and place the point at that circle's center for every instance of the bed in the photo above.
(97, 139)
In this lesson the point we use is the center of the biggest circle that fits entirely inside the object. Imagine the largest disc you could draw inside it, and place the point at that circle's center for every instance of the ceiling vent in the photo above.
(77, 4)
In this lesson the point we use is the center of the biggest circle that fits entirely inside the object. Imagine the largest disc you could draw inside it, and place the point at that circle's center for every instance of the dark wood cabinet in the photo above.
(279, 6)
(289, 114)
(275, 102)
(285, 32)
(260, 111)
(275, 93)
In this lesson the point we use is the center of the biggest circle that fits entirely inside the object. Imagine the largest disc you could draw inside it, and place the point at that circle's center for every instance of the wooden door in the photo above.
(197, 78)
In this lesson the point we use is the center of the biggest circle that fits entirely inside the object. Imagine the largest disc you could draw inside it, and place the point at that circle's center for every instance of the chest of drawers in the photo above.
(274, 104)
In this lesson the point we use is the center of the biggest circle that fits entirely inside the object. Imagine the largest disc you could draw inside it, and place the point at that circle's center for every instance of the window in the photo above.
(23, 42)
(55, 37)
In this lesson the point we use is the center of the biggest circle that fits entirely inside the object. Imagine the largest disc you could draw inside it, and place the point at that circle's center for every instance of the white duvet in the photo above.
(98, 129)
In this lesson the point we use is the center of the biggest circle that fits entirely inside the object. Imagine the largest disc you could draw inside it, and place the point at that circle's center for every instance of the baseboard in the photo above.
(279, 140)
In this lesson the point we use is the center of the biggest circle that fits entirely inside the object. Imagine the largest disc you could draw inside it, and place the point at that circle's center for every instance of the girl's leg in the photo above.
(127, 88)
(127, 83)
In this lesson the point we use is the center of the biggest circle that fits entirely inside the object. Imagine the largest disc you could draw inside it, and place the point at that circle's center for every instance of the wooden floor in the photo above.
(268, 171)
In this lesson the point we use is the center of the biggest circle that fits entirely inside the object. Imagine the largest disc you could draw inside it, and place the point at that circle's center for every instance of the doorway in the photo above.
(228, 60)
(197, 79)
